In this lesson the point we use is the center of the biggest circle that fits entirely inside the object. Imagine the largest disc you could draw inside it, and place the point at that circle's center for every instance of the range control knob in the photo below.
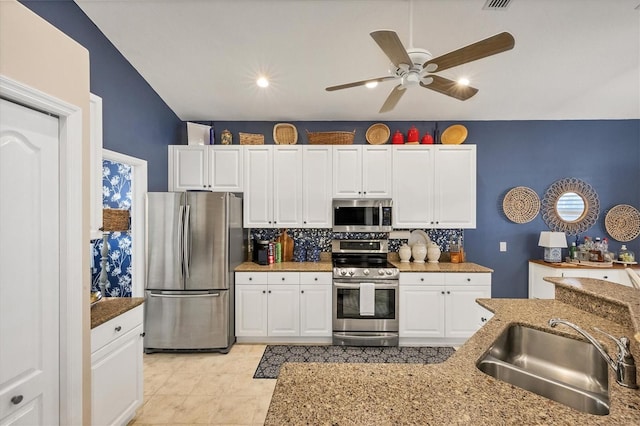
(365, 272)
(389, 272)
(343, 272)
(380, 271)
(351, 272)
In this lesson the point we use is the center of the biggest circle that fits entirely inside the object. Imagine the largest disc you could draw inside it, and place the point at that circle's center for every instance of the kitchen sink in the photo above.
(565, 370)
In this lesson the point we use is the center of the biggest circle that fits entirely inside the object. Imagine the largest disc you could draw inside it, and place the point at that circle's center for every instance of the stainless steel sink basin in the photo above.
(559, 368)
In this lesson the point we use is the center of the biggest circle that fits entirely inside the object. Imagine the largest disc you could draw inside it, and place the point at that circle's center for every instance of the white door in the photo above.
(422, 311)
(315, 310)
(455, 187)
(189, 165)
(317, 181)
(377, 180)
(225, 168)
(251, 310)
(287, 187)
(284, 310)
(412, 187)
(258, 187)
(347, 171)
(462, 311)
(29, 266)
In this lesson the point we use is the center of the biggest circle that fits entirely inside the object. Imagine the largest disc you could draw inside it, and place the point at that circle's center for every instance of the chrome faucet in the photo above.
(624, 364)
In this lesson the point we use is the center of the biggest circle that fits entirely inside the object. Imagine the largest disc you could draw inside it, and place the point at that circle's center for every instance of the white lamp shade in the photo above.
(552, 239)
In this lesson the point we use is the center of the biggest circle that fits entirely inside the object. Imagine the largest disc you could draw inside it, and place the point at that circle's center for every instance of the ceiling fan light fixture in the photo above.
(463, 81)
(262, 81)
(371, 84)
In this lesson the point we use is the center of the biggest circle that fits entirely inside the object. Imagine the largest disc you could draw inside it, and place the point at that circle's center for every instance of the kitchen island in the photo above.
(456, 392)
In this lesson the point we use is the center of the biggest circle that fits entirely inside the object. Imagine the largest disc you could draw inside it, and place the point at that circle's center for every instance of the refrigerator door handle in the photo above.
(186, 241)
(183, 296)
(180, 235)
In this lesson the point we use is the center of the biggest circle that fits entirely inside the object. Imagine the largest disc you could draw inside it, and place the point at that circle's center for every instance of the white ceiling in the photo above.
(573, 59)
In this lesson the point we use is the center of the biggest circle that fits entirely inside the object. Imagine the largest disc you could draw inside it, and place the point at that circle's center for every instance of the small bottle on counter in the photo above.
(271, 253)
(278, 252)
(573, 251)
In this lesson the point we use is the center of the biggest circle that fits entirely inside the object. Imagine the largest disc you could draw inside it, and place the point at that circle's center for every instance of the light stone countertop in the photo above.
(440, 267)
(326, 266)
(456, 392)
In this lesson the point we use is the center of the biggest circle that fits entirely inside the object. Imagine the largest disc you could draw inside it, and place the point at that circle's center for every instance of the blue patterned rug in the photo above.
(276, 355)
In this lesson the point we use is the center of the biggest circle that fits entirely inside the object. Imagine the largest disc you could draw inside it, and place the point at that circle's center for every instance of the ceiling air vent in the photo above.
(496, 4)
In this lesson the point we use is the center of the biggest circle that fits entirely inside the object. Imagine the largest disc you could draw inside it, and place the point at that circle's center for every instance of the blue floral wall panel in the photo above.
(116, 194)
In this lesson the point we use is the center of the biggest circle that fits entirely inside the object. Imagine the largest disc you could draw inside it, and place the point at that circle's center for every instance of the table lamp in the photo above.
(113, 220)
(553, 243)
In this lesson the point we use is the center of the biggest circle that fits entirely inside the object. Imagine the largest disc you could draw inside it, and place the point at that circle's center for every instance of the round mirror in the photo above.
(570, 206)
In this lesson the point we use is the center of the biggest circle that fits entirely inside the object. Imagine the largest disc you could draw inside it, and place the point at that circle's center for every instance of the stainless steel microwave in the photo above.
(362, 215)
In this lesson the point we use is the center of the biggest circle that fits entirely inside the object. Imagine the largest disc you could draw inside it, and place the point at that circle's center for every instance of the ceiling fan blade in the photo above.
(449, 87)
(393, 98)
(359, 83)
(478, 50)
(391, 45)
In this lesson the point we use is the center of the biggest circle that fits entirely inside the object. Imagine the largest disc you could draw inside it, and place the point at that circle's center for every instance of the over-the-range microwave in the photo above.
(362, 215)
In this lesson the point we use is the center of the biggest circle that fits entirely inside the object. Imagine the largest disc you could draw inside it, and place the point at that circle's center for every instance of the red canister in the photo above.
(413, 135)
(427, 139)
(398, 138)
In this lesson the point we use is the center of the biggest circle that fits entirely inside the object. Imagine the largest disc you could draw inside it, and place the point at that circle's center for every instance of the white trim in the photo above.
(72, 243)
(138, 190)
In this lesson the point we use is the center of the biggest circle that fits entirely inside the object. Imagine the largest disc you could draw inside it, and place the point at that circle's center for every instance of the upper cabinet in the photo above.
(362, 171)
(205, 167)
(95, 141)
(434, 187)
(287, 186)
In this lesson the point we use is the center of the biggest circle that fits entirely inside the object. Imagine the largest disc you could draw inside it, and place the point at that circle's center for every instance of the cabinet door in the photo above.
(377, 166)
(538, 287)
(258, 187)
(618, 276)
(283, 317)
(455, 187)
(317, 179)
(251, 310)
(225, 168)
(188, 168)
(422, 311)
(287, 186)
(462, 311)
(347, 171)
(95, 192)
(116, 379)
(315, 310)
(412, 190)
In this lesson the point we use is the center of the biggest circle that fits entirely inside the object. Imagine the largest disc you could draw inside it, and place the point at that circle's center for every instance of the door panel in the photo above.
(29, 266)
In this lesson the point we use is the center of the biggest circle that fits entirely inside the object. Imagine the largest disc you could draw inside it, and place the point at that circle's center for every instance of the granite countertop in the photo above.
(440, 267)
(326, 266)
(110, 307)
(565, 265)
(455, 392)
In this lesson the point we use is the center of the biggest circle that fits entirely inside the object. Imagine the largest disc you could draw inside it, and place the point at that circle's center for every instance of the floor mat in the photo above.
(275, 355)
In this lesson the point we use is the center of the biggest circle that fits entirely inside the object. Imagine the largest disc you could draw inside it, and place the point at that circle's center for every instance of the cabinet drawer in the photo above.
(246, 278)
(458, 278)
(283, 277)
(315, 278)
(413, 278)
(113, 329)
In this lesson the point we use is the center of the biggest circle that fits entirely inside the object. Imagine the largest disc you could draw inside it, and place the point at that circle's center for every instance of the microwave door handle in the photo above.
(186, 258)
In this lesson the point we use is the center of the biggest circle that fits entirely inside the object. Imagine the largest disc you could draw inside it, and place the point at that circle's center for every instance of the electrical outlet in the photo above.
(503, 246)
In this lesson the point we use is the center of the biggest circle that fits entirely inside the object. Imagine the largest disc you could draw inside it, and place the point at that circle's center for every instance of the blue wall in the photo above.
(136, 121)
(604, 153)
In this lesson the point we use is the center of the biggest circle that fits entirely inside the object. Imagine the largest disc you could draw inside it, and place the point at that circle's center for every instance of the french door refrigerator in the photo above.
(194, 241)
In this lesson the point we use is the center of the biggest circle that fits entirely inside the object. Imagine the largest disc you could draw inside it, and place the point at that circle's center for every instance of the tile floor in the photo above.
(212, 389)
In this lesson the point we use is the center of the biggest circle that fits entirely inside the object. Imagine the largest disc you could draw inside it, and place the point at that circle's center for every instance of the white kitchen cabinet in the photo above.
(287, 186)
(258, 181)
(434, 187)
(441, 308)
(362, 171)
(541, 289)
(116, 368)
(283, 306)
(206, 167)
(317, 180)
(95, 163)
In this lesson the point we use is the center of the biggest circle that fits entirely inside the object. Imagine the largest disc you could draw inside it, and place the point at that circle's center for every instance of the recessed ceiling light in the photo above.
(262, 81)
(371, 84)
(463, 81)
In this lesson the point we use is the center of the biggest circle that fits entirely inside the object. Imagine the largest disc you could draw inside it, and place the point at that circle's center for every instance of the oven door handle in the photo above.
(339, 284)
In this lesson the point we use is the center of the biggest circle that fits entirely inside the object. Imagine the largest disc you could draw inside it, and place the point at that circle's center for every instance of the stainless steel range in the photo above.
(365, 294)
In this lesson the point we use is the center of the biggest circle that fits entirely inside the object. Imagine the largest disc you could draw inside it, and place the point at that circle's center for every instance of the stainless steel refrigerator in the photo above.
(194, 241)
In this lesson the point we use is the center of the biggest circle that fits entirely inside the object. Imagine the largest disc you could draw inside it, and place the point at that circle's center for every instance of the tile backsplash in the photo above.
(321, 238)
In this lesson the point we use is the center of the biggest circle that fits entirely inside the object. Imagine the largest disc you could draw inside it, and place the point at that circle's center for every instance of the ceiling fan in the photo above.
(416, 66)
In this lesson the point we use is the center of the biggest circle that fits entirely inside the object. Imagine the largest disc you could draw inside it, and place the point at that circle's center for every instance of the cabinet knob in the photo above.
(483, 319)
(264, 291)
(269, 291)
(209, 186)
(359, 192)
(305, 222)
(302, 291)
(118, 328)
(421, 279)
(448, 292)
(605, 277)
(204, 186)
(17, 399)
(468, 279)
(143, 334)
(442, 292)
(250, 279)
(365, 192)
(315, 279)
(282, 278)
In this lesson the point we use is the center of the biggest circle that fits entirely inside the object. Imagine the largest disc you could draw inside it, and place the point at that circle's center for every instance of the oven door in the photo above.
(346, 307)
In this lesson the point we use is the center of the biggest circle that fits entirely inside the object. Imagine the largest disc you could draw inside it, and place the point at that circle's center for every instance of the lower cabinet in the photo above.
(282, 306)
(541, 289)
(441, 308)
(116, 369)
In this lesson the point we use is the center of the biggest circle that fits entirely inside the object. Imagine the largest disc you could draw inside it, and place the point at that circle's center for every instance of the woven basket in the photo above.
(285, 134)
(330, 138)
(521, 204)
(251, 139)
(115, 220)
(378, 134)
(622, 222)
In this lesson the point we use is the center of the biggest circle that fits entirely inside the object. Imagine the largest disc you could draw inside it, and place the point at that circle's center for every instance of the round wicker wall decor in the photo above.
(521, 204)
(550, 206)
(622, 222)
